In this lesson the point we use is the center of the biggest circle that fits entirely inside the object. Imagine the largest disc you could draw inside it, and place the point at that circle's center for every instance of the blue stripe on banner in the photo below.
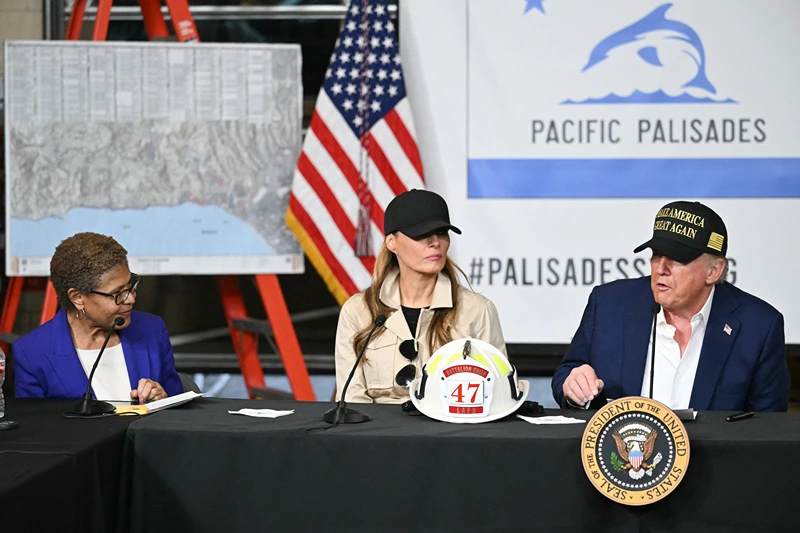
(634, 178)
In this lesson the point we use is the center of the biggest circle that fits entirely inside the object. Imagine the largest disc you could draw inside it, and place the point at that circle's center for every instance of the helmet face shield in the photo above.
(468, 381)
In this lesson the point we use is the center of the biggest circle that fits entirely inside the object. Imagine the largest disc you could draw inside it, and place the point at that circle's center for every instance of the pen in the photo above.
(740, 416)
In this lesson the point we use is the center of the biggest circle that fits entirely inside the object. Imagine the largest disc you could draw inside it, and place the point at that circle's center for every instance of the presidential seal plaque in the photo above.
(635, 451)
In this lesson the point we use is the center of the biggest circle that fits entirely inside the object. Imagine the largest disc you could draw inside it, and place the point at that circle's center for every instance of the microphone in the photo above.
(341, 414)
(87, 405)
(656, 310)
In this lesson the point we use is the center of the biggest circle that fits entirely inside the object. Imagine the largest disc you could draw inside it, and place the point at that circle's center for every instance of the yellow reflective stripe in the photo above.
(432, 364)
(502, 367)
(481, 359)
(454, 357)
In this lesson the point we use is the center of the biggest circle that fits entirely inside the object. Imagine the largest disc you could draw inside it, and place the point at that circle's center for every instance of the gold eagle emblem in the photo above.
(635, 444)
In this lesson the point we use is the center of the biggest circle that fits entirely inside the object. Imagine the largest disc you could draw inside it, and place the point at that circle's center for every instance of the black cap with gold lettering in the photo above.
(683, 231)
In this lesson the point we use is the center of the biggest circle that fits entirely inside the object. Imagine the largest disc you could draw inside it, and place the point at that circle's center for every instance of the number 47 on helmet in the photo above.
(468, 381)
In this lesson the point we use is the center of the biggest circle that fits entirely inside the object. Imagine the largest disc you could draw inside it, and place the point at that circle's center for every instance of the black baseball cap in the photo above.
(683, 231)
(416, 213)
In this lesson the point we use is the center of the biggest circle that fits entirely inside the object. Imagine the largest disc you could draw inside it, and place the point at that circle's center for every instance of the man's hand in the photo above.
(582, 385)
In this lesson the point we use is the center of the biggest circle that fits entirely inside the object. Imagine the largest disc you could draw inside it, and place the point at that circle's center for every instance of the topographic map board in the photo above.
(183, 153)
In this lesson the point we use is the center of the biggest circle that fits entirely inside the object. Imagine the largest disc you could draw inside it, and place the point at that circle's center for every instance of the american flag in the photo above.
(636, 457)
(360, 151)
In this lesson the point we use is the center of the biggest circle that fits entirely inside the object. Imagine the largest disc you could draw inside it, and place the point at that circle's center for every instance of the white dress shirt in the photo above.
(674, 375)
(111, 380)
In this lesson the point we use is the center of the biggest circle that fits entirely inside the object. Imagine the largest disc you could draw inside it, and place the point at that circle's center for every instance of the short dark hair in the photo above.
(81, 260)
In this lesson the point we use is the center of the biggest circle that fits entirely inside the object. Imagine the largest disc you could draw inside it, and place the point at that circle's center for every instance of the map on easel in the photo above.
(183, 153)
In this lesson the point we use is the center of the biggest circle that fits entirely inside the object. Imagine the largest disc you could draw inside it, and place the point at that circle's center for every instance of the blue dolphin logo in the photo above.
(656, 21)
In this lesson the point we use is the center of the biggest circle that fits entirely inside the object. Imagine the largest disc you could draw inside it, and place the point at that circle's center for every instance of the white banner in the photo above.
(556, 129)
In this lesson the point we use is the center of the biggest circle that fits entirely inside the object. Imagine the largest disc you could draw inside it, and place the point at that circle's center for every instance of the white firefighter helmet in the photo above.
(468, 381)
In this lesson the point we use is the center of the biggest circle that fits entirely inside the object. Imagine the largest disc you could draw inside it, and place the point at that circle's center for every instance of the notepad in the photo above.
(158, 405)
(547, 420)
(262, 413)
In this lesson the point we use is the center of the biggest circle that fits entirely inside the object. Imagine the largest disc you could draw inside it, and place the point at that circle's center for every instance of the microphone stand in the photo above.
(87, 405)
(656, 310)
(341, 414)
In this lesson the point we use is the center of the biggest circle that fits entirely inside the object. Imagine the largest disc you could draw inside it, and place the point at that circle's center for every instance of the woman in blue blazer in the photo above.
(95, 287)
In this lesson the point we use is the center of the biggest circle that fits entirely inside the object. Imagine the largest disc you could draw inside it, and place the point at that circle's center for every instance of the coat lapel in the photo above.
(717, 344)
(64, 359)
(390, 296)
(637, 330)
(63, 356)
(396, 323)
(135, 351)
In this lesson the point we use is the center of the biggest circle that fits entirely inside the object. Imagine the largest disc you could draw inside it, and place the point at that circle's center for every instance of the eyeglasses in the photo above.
(407, 374)
(121, 296)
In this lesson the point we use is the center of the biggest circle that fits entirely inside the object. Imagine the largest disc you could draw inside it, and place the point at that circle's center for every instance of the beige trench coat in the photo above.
(374, 378)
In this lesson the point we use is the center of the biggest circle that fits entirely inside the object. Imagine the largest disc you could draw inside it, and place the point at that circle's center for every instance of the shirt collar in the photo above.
(705, 312)
(703, 315)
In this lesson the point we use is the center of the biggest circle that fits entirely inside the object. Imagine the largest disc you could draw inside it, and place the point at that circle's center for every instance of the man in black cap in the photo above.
(683, 336)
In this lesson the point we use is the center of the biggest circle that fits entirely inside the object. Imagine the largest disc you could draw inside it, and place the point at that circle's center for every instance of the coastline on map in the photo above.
(187, 229)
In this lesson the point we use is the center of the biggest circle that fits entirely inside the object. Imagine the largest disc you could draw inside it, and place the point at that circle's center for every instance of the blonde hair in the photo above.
(440, 332)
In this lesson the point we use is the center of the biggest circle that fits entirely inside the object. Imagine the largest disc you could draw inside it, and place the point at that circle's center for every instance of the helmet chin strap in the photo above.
(420, 393)
(516, 394)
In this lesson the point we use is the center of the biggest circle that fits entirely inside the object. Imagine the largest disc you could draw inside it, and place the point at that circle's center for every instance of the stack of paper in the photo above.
(543, 420)
(158, 405)
(261, 413)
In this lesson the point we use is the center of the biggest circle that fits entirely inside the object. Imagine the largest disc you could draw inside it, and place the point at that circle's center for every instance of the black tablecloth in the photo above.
(198, 468)
(58, 474)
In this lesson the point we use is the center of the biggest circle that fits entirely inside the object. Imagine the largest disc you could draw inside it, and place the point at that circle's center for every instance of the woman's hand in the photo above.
(148, 391)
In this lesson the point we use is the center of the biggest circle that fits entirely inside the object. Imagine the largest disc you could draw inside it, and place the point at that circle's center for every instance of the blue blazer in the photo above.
(46, 364)
(745, 370)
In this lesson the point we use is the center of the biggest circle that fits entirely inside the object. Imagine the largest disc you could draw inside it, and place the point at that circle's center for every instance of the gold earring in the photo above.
(78, 314)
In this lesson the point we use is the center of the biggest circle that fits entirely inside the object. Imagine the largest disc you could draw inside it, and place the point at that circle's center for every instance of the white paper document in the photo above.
(172, 401)
(545, 420)
(262, 413)
(125, 407)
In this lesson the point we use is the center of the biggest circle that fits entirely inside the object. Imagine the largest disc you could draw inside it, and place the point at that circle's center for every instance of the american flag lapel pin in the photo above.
(727, 329)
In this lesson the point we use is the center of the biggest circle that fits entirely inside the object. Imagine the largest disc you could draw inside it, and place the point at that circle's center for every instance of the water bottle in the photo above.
(2, 380)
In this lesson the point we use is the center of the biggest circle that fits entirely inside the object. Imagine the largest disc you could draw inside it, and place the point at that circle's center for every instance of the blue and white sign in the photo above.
(634, 99)
(556, 130)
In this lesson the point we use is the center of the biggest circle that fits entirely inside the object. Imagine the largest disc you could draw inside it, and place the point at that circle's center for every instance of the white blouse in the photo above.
(111, 381)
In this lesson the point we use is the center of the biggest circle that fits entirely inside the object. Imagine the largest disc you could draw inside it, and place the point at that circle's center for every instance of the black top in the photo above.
(412, 317)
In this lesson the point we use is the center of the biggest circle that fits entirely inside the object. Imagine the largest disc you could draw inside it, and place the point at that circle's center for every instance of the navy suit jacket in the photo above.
(46, 364)
(745, 370)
